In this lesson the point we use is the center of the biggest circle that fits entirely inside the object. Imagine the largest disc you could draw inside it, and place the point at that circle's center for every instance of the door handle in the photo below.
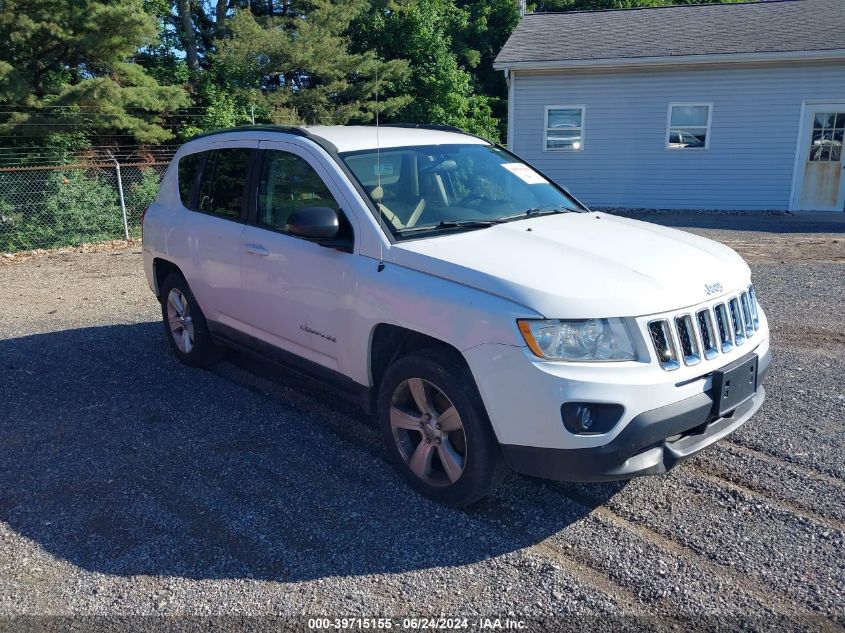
(256, 249)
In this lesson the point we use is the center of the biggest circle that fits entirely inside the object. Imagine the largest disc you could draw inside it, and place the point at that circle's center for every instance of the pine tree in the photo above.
(297, 68)
(66, 66)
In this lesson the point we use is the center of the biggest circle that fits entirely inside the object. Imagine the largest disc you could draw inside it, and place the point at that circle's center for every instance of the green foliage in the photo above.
(72, 208)
(139, 195)
(162, 58)
(79, 73)
(70, 57)
(442, 88)
(223, 109)
(489, 24)
(82, 70)
(301, 70)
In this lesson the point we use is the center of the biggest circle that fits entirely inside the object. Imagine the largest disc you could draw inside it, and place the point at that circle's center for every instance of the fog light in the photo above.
(590, 418)
(584, 418)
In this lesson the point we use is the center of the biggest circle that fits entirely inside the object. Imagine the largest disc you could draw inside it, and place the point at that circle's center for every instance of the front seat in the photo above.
(401, 211)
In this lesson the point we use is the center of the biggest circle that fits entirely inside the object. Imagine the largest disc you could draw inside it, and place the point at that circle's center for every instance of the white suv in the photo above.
(487, 318)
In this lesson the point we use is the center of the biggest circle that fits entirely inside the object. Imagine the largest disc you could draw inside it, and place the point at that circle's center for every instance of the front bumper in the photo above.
(651, 443)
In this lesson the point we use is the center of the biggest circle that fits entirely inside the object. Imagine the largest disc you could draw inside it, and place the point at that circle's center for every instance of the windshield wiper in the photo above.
(533, 212)
(450, 224)
(483, 224)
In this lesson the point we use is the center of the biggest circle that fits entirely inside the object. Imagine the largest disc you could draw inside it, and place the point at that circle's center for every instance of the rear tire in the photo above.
(185, 324)
(435, 429)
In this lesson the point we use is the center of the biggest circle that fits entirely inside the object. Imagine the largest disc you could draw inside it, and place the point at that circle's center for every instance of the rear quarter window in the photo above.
(189, 167)
(221, 191)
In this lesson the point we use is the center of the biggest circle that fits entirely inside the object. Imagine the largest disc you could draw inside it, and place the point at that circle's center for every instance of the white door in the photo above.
(293, 289)
(820, 183)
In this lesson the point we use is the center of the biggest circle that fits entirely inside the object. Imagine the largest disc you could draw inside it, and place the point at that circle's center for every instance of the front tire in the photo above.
(435, 429)
(185, 325)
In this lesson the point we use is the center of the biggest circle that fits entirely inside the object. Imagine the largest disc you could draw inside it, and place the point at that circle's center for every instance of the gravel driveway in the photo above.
(130, 484)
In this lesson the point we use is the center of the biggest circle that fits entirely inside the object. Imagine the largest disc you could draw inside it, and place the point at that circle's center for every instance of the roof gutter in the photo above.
(672, 60)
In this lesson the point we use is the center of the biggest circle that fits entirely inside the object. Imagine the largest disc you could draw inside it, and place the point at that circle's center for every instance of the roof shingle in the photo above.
(712, 29)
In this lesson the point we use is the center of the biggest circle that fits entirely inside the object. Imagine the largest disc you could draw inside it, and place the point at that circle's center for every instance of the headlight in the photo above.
(582, 339)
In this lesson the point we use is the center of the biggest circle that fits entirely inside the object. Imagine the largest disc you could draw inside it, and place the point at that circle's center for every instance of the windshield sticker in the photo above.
(386, 169)
(525, 173)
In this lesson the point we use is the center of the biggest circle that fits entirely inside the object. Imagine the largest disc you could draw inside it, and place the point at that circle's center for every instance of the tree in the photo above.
(220, 13)
(65, 66)
(189, 37)
(298, 67)
(162, 58)
(421, 31)
(489, 24)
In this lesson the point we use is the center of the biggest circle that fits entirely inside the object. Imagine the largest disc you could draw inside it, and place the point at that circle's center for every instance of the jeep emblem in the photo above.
(711, 289)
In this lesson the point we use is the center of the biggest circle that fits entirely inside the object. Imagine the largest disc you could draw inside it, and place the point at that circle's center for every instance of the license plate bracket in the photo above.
(734, 384)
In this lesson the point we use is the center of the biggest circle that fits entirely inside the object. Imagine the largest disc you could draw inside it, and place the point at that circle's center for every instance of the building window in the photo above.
(564, 127)
(689, 126)
(826, 142)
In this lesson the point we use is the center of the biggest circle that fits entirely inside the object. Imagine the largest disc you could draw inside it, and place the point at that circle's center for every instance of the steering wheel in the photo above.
(473, 197)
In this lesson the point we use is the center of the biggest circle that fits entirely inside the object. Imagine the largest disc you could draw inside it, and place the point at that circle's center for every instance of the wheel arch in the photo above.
(161, 269)
(389, 342)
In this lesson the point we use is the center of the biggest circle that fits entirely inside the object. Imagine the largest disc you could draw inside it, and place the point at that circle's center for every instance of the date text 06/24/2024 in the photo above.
(439, 623)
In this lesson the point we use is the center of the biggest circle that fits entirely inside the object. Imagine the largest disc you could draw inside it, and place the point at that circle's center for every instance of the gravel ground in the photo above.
(132, 485)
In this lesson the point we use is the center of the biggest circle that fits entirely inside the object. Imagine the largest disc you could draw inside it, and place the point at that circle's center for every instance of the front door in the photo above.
(294, 290)
(820, 184)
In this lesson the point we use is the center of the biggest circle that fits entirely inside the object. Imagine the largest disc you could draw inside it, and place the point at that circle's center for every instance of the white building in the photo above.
(729, 106)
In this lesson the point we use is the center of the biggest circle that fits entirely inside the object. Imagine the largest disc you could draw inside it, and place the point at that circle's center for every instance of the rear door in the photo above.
(295, 292)
(209, 241)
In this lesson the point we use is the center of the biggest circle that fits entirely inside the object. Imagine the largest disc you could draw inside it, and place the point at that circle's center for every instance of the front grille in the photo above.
(687, 337)
(737, 325)
(746, 314)
(725, 338)
(755, 315)
(664, 345)
(706, 332)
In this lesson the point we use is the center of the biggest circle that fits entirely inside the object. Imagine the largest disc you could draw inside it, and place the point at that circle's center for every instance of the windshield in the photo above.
(452, 187)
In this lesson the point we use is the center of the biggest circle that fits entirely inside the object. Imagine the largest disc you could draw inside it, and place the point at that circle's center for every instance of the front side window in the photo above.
(288, 183)
(689, 126)
(223, 182)
(431, 188)
(564, 128)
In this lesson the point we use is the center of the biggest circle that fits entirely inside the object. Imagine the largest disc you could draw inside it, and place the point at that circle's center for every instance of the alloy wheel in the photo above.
(428, 432)
(179, 320)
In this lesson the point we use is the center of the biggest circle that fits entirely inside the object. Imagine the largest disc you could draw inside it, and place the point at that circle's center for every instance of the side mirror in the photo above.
(314, 223)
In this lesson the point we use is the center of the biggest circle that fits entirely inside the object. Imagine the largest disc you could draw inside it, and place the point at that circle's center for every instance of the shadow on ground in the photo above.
(750, 221)
(119, 460)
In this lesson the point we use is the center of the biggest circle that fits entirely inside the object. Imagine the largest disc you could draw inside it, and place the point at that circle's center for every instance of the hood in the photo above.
(581, 265)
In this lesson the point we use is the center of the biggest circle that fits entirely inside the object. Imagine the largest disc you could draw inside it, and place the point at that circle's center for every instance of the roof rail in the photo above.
(426, 126)
(440, 128)
(287, 129)
(326, 144)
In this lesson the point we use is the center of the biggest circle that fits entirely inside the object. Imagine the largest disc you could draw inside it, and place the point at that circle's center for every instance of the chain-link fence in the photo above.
(68, 205)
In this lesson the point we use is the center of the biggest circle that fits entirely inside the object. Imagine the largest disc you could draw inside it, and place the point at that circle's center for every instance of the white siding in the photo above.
(625, 163)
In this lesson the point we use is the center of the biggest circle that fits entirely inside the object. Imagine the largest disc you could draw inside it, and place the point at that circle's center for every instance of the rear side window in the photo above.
(189, 167)
(223, 182)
